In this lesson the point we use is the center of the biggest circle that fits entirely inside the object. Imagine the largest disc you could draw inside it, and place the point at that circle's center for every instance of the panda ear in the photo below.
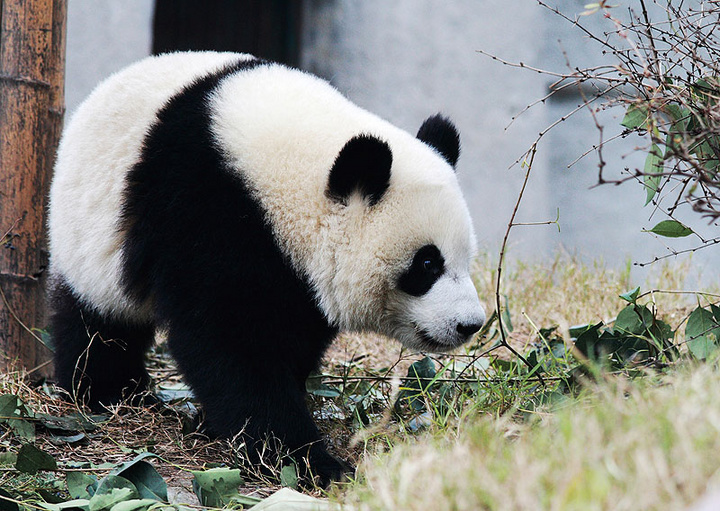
(440, 133)
(363, 165)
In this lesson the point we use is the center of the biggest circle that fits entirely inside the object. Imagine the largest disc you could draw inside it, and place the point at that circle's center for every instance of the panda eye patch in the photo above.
(426, 267)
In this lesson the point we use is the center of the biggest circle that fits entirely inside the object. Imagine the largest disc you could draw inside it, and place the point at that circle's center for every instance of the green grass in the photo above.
(634, 439)
(491, 436)
(649, 443)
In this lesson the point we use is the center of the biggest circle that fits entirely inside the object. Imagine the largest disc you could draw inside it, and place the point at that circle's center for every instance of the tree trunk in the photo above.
(32, 69)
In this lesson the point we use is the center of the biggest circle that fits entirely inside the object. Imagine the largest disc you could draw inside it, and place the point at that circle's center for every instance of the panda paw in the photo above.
(324, 469)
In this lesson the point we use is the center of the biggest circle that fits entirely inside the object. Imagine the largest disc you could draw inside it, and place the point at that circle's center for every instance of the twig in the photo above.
(674, 253)
(676, 292)
(669, 71)
(338, 380)
(511, 224)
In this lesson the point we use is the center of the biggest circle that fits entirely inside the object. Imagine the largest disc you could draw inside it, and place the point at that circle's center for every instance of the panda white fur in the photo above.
(252, 212)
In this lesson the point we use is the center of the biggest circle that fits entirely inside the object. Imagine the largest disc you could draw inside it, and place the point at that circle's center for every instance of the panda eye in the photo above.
(431, 266)
(425, 268)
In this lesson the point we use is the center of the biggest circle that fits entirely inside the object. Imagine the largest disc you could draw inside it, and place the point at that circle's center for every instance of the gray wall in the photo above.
(408, 59)
(103, 37)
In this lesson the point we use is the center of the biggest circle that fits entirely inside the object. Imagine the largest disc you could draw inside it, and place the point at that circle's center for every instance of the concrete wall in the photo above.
(408, 59)
(103, 37)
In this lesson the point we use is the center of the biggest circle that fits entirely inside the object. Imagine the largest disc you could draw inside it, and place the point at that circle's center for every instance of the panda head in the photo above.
(402, 264)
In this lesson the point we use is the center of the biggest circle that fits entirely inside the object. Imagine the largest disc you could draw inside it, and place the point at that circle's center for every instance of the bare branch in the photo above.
(666, 80)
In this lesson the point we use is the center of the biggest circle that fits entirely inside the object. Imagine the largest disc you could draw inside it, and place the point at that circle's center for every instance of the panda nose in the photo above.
(467, 329)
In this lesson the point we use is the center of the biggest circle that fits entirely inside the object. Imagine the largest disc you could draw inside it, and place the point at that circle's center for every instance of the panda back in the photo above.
(100, 144)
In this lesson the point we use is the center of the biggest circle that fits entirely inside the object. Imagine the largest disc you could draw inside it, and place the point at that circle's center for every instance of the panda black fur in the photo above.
(251, 212)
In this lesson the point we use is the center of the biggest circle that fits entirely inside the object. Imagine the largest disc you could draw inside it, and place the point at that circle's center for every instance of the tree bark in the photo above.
(32, 71)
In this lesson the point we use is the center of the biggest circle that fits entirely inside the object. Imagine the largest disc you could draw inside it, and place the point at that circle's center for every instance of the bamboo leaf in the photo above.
(216, 487)
(289, 477)
(30, 459)
(12, 410)
(81, 486)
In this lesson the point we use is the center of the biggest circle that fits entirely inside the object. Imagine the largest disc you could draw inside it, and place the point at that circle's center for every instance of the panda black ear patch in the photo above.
(439, 133)
(362, 165)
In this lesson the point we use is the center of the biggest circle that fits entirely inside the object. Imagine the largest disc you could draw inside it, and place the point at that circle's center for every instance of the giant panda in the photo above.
(251, 212)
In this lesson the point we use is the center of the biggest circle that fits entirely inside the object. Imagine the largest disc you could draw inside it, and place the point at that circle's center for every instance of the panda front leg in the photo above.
(255, 396)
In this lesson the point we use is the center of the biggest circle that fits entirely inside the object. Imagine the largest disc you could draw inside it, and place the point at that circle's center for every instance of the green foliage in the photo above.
(636, 116)
(671, 229)
(289, 476)
(218, 487)
(143, 476)
(702, 331)
(637, 336)
(674, 104)
(31, 459)
(419, 381)
(685, 139)
(133, 485)
(315, 386)
(592, 452)
(666, 78)
(652, 173)
(436, 394)
(80, 485)
(15, 415)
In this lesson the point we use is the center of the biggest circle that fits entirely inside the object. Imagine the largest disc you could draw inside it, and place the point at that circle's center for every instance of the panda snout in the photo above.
(467, 329)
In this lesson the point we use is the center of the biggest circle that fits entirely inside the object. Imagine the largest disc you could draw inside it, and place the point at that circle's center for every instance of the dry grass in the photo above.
(479, 455)
(568, 291)
(125, 432)
(624, 445)
(647, 443)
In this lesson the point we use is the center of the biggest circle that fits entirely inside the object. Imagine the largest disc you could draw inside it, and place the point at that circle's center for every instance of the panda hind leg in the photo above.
(99, 360)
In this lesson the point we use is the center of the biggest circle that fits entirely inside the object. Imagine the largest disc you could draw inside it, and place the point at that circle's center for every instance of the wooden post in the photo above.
(32, 71)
